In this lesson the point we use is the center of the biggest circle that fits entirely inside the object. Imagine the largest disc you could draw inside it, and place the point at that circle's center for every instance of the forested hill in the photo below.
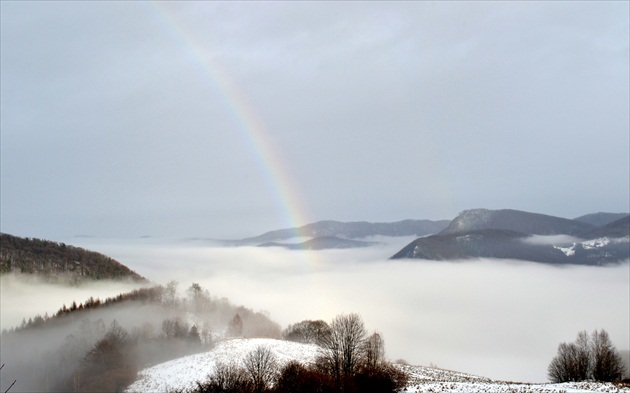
(58, 261)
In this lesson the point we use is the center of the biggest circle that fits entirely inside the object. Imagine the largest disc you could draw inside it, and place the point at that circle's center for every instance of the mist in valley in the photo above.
(101, 342)
(25, 296)
(496, 318)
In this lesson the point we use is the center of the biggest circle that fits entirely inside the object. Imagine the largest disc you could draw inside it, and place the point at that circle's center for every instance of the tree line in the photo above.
(142, 295)
(591, 357)
(58, 261)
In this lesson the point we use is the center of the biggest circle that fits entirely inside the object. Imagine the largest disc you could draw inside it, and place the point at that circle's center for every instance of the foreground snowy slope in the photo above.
(182, 373)
(185, 371)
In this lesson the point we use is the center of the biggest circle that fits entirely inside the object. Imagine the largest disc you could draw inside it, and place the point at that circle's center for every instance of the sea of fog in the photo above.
(500, 319)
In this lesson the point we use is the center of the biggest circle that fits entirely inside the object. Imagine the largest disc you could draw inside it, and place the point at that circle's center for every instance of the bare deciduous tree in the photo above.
(261, 366)
(582, 360)
(342, 347)
(607, 363)
(562, 367)
(373, 350)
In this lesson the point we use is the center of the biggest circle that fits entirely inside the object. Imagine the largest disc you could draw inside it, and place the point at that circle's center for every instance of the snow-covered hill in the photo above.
(184, 372)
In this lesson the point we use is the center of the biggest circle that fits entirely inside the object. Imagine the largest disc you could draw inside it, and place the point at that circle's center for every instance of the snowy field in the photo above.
(184, 372)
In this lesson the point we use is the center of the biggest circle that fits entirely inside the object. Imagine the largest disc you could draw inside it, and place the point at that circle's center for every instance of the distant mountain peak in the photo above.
(515, 220)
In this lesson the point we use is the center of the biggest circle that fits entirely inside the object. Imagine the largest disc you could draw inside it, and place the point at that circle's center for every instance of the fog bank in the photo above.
(25, 296)
(496, 318)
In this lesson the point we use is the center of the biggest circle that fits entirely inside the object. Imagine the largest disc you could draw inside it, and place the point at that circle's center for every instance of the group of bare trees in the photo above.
(350, 360)
(256, 375)
(356, 360)
(344, 342)
(588, 358)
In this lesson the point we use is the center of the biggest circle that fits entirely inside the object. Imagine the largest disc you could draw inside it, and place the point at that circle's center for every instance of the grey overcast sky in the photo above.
(227, 119)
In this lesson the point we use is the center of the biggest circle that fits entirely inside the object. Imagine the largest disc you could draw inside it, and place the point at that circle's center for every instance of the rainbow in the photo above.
(251, 127)
(257, 138)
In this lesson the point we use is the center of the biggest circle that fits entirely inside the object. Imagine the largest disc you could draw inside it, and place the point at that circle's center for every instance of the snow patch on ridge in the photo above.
(568, 251)
(596, 243)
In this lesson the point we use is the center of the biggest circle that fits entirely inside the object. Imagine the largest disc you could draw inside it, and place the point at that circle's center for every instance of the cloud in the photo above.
(25, 296)
(500, 319)
(554, 240)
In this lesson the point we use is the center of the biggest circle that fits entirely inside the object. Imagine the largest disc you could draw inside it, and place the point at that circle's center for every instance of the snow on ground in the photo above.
(511, 387)
(182, 373)
(428, 379)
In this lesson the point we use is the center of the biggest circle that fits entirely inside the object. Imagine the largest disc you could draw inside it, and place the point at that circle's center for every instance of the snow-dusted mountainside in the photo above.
(513, 234)
(182, 373)
(496, 243)
(515, 220)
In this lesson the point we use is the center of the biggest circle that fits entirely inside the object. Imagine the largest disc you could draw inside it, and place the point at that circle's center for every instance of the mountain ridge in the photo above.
(600, 218)
(348, 230)
(513, 234)
(515, 220)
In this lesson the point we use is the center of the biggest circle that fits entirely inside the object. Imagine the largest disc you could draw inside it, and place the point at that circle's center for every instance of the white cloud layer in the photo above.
(499, 319)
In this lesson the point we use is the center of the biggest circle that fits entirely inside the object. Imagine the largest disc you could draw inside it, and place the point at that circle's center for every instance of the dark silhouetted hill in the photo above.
(350, 230)
(58, 261)
(615, 229)
(481, 243)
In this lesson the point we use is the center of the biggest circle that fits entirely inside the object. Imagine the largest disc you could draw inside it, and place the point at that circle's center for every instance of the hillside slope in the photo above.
(182, 373)
(483, 243)
(616, 229)
(58, 261)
